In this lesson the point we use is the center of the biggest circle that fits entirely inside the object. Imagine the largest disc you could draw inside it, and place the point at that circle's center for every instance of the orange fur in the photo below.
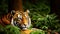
(26, 31)
(5, 19)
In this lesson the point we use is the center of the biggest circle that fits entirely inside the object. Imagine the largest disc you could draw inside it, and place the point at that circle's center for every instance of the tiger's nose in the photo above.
(25, 24)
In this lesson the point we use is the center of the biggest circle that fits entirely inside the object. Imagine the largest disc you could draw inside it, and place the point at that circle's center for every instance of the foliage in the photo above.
(38, 6)
(46, 21)
(9, 30)
(3, 6)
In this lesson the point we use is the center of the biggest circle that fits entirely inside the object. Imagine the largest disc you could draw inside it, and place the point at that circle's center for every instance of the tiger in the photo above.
(17, 18)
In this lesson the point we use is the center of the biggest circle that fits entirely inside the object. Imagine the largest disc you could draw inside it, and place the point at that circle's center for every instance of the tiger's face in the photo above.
(21, 19)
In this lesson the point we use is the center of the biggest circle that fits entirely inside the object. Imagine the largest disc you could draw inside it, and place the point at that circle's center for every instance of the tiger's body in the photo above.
(5, 19)
(17, 18)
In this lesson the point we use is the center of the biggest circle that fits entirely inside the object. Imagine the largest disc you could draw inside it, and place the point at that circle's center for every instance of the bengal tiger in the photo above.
(17, 18)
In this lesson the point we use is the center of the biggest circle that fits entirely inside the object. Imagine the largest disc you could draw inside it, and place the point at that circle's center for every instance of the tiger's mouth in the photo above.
(23, 27)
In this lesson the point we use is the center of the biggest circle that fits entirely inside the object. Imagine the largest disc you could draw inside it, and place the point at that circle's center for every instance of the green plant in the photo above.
(42, 7)
(45, 21)
(9, 30)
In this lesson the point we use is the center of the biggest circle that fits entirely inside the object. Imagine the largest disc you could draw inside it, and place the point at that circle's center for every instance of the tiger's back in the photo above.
(5, 19)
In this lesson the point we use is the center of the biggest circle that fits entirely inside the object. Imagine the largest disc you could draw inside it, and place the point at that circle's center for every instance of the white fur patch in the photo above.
(12, 22)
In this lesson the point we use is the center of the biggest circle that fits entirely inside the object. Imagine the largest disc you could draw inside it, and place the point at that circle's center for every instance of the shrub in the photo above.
(45, 21)
(9, 30)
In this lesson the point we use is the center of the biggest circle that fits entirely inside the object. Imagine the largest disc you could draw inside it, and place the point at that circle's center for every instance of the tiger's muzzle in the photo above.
(21, 26)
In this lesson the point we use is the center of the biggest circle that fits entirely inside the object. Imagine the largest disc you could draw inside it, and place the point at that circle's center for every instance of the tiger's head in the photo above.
(21, 19)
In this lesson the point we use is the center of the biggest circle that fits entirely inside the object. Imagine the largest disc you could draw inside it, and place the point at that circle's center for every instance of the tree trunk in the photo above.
(15, 5)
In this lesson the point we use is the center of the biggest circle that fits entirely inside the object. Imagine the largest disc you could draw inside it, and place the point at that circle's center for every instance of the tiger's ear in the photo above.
(13, 11)
(27, 11)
